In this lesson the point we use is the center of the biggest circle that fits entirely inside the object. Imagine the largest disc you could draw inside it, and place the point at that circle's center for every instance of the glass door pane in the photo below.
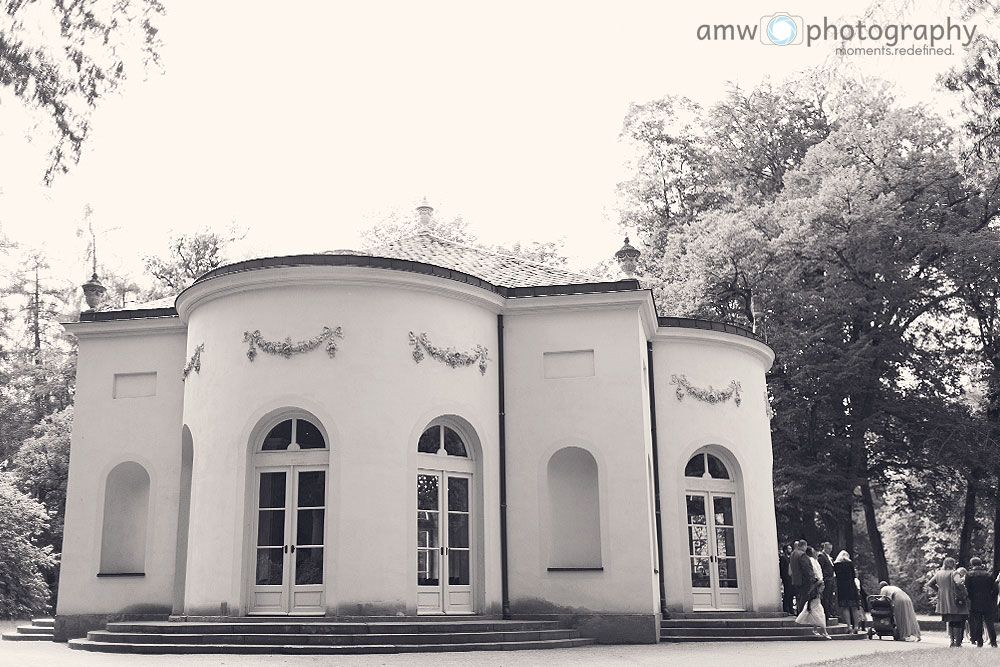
(725, 541)
(271, 529)
(310, 517)
(698, 542)
(458, 531)
(428, 529)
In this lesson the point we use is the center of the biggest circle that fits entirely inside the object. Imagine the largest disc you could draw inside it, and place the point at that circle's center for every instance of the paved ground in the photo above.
(765, 654)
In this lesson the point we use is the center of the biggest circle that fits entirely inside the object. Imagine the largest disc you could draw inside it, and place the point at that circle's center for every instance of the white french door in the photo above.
(289, 540)
(711, 524)
(444, 542)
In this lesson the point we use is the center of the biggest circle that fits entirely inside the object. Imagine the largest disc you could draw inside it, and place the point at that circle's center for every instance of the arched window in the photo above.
(706, 466)
(293, 435)
(440, 439)
(574, 509)
(126, 513)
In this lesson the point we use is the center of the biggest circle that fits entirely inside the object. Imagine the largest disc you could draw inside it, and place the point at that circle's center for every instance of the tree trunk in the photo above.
(36, 324)
(996, 525)
(993, 420)
(849, 533)
(874, 536)
(968, 521)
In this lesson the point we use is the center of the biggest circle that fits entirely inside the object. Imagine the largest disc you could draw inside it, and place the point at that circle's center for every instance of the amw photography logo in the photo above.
(781, 29)
(851, 38)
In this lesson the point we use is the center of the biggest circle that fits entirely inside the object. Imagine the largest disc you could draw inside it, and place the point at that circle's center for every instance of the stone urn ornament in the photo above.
(628, 258)
(93, 292)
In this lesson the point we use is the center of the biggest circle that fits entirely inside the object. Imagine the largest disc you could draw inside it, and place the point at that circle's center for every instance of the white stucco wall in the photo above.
(108, 431)
(373, 399)
(709, 358)
(604, 414)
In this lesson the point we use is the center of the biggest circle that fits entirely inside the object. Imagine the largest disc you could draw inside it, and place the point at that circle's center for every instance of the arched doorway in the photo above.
(712, 500)
(290, 465)
(445, 521)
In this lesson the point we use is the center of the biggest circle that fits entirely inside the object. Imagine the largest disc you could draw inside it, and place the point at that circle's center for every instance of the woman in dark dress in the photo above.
(847, 591)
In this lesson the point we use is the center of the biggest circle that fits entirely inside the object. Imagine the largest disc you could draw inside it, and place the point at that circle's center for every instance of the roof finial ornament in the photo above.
(425, 212)
(628, 258)
(93, 290)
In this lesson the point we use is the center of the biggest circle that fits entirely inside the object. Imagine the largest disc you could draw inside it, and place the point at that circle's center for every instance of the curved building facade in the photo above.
(433, 430)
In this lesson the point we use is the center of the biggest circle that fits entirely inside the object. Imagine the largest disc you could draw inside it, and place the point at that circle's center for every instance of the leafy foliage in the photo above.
(65, 60)
(23, 591)
(846, 231)
(190, 256)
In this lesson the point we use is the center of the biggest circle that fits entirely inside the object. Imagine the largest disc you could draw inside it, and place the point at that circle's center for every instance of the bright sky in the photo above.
(302, 121)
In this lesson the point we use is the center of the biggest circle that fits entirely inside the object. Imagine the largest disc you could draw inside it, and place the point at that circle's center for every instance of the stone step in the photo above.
(19, 636)
(785, 622)
(724, 614)
(331, 640)
(347, 618)
(34, 630)
(44, 622)
(771, 638)
(313, 649)
(743, 632)
(328, 628)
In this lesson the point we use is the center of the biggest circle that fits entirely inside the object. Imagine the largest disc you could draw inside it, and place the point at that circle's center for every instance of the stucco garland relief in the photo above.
(448, 355)
(194, 363)
(710, 395)
(287, 348)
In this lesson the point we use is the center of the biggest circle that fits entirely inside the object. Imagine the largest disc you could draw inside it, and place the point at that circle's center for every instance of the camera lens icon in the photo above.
(781, 29)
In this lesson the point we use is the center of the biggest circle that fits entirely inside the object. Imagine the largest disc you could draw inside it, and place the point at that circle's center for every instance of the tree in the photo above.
(977, 82)
(41, 470)
(79, 55)
(190, 256)
(395, 225)
(671, 172)
(840, 243)
(758, 136)
(23, 591)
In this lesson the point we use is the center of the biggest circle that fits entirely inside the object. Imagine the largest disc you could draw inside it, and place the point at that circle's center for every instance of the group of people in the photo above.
(967, 595)
(824, 587)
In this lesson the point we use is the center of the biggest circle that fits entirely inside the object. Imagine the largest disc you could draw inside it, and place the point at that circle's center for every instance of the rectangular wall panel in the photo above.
(134, 385)
(574, 364)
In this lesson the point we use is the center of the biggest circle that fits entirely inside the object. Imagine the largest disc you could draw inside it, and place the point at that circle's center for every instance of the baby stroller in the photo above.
(883, 623)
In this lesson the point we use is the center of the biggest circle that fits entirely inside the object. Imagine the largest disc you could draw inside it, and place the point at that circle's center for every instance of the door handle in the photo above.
(284, 549)
(293, 548)
(442, 551)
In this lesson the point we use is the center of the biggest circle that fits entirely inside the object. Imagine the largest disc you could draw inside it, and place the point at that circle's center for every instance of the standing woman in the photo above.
(847, 590)
(945, 585)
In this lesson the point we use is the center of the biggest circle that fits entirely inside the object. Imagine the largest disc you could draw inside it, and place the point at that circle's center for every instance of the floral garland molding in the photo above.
(287, 348)
(710, 395)
(194, 364)
(448, 355)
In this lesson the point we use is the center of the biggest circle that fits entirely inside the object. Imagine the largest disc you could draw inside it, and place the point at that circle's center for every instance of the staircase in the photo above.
(743, 627)
(245, 635)
(40, 630)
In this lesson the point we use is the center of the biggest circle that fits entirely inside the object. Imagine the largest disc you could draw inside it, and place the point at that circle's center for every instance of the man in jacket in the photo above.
(803, 575)
(829, 578)
(983, 592)
(787, 588)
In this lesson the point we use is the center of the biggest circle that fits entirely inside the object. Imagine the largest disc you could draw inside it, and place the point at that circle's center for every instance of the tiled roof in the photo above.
(496, 268)
(165, 302)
